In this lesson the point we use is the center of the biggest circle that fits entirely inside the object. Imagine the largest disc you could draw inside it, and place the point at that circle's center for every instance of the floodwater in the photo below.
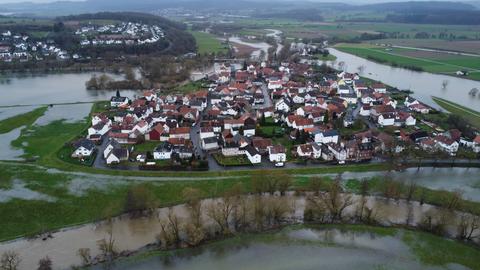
(423, 84)
(7, 112)
(18, 190)
(52, 88)
(7, 151)
(133, 234)
(466, 180)
(301, 249)
(259, 46)
(71, 113)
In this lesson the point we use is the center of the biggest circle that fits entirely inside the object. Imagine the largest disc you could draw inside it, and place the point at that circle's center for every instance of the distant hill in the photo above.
(419, 6)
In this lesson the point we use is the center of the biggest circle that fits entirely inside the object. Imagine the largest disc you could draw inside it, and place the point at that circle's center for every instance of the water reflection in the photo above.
(298, 249)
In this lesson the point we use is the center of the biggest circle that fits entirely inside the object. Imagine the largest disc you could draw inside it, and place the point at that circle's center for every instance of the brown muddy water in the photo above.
(133, 234)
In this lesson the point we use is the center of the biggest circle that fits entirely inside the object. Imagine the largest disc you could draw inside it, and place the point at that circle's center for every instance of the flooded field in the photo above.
(301, 249)
(133, 234)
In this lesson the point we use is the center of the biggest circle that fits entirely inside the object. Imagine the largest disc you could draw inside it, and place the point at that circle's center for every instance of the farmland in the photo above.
(464, 46)
(434, 62)
(208, 43)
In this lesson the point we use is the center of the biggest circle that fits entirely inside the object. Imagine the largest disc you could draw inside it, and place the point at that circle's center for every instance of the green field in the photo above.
(434, 63)
(208, 43)
(470, 115)
(20, 120)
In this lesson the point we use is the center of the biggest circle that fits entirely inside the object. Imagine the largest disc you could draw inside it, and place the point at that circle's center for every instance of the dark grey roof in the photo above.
(87, 144)
(210, 140)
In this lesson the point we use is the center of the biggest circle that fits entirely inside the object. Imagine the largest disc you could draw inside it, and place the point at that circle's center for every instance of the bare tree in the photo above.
(45, 264)
(315, 184)
(467, 227)
(10, 260)
(411, 188)
(445, 84)
(276, 209)
(107, 247)
(336, 202)
(169, 230)
(85, 255)
(194, 235)
(284, 182)
(140, 200)
(453, 199)
(315, 210)
(364, 187)
(193, 197)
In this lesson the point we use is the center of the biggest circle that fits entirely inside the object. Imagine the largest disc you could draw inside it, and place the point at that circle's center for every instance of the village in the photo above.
(267, 117)
(124, 33)
(22, 47)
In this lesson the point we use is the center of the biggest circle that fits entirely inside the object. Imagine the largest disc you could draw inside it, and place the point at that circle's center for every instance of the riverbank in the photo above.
(470, 115)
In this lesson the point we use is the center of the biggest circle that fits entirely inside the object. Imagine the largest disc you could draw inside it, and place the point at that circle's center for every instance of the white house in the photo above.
(282, 105)
(338, 151)
(83, 148)
(277, 154)
(253, 156)
(329, 136)
(206, 132)
(117, 155)
(118, 101)
(210, 143)
(99, 129)
(386, 119)
(163, 151)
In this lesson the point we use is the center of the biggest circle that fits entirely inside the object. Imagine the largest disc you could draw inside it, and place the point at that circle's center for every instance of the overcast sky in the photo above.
(357, 1)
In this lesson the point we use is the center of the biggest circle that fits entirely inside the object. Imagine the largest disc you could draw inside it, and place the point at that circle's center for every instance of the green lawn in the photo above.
(470, 115)
(20, 120)
(231, 161)
(208, 43)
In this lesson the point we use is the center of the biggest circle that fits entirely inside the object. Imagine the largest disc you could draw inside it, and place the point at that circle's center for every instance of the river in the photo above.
(300, 249)
(423, 84)
(51, 89)
(133, 234)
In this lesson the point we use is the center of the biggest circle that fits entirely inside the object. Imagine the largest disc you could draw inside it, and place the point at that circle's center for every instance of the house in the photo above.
(210, 143)
(305, 150)
(181, 132)
(365, 110)
(277, 154)
(206, 132)
(156, 133)
(117, 155)
(283, 105)
(262, 144)
(313, 150)
(410, 101)
(386, 119)
(328, 136)
(446, 144)
(99, 129)
(405, 118)
(163, 151)
(83, 148)
(379, 88)
(420, 108)
(119, 101)
(338, 151)
(476, 144)
(253, 155)
(183, 152)
(112, 144)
